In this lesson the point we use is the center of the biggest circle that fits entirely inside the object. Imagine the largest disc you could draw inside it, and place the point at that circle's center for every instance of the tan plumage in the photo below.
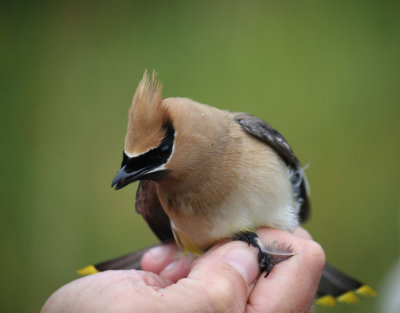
(146, 117)
(222, 180)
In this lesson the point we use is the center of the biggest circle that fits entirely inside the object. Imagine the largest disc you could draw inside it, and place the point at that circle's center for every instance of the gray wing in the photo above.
(148, 205)
(266, 133)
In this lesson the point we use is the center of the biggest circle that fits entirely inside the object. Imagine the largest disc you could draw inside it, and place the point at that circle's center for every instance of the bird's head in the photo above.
(149, 140)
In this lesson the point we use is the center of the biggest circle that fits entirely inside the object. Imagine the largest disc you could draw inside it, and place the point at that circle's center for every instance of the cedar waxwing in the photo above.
(207, 174)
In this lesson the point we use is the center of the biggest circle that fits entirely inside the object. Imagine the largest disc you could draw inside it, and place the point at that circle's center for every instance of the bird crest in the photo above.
(147, 116)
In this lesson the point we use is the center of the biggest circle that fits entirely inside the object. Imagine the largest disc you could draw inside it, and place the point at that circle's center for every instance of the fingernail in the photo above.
(244, 261)
(171, 267)
(159, 252)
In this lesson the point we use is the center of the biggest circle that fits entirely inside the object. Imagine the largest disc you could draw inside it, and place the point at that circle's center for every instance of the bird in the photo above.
(207, 175)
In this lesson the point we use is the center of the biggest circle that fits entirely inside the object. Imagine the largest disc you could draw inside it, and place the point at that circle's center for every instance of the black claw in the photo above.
(262, 260)
(270, 265)
(265, 261)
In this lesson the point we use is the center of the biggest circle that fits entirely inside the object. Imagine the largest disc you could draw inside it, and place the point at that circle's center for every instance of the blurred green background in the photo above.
(324, 73)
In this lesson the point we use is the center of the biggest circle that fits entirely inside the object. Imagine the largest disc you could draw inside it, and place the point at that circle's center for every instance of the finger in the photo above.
(179, 268)
(292, 284)
(158, 257)
(219, 280)
(302, 233)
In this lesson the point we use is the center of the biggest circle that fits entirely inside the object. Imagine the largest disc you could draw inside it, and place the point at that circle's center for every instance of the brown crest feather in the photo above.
(147, 115)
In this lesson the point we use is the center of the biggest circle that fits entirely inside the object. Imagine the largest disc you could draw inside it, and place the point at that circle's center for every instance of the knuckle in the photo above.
(317, 253)
(225, 295)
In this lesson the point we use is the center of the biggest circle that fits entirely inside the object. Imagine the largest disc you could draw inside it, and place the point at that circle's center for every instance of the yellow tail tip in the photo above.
(348, 297)
(87, 270)
(327, 300)
(366, 291)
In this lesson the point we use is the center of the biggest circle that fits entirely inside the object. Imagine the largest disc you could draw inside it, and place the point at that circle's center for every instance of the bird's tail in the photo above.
(334, 286)
(125, 262)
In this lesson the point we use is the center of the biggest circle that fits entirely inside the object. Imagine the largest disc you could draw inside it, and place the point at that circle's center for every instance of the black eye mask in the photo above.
(154, 157)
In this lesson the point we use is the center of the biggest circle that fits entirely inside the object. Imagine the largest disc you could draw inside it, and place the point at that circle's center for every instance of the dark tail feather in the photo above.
(125, 262)
(338, 286)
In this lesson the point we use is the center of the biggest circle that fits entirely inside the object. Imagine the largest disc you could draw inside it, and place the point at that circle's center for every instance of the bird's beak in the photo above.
(123, 177)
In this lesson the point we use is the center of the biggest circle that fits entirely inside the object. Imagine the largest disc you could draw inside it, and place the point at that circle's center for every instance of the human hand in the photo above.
(224, 279)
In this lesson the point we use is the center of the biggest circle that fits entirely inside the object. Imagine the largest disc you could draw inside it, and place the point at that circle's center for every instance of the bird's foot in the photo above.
(267, 256)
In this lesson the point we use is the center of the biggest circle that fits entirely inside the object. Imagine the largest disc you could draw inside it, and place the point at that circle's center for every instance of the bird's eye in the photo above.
(164, 148)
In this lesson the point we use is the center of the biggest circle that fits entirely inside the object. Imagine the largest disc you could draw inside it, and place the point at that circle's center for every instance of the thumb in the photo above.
(220, 279)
